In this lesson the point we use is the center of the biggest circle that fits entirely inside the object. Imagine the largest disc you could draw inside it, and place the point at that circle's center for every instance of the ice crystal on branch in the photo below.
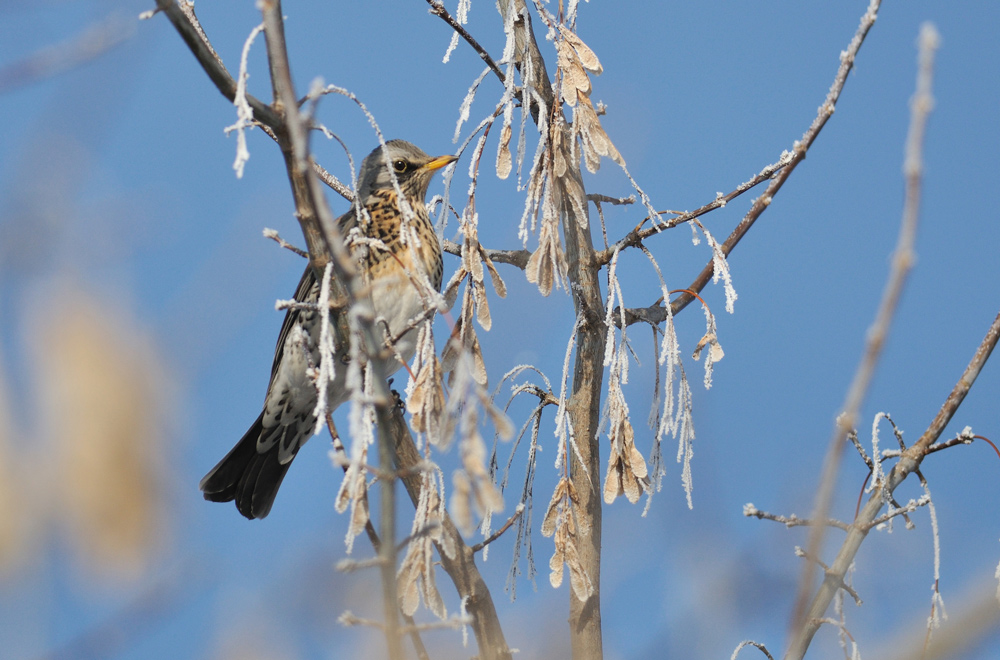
(244, 113)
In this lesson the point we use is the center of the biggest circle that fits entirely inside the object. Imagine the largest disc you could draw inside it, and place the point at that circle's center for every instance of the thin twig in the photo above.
(420, 533)
(333, 182)
(453, 623)
(348, 619)
(637, 235)
(960, 440)
(819, 562)
(798, 155)
(517, 258)
(910, 507)
(274, 236)
(793, 520)
(853, 437)
(757, 645)
(617, 201)
(437, 9)
(497, 534)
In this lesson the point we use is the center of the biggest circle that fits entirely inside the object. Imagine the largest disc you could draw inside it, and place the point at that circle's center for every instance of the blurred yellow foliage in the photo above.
(102, 402)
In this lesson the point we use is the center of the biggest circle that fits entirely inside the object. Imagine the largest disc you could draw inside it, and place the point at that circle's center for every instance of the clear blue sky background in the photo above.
(130, 151)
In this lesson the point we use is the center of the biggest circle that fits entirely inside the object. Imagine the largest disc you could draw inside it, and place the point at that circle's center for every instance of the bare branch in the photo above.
(273, 235)
(876, 336)
(181, 15)
(497, 534)
(332, 181)
(453, 623)
(757, 645)
(604, 199)
(959, 440)
(799, 552)
(348, 619)
(910, 507)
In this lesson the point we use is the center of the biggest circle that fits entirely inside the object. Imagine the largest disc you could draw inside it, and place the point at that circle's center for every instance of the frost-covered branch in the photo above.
(497, 534)
(909, 507)
(518, 258)
(635, 237)
(750, 511)
(799, 552)
(437, 9)
(757, 645)
(460, 565)
(798, 154)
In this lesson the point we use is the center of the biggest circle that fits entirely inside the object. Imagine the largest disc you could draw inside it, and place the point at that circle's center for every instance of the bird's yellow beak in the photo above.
(439, 162)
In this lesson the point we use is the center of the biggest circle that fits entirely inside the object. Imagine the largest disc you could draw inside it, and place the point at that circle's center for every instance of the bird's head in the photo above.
(411, 166)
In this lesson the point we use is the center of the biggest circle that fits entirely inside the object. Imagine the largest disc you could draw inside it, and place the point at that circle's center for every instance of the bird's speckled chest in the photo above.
(384, 224)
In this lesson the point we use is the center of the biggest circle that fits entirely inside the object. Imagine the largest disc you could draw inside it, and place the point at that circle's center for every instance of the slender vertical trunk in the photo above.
(584, 410)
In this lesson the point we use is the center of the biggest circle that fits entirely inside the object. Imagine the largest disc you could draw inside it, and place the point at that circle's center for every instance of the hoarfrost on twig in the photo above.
(244, 113)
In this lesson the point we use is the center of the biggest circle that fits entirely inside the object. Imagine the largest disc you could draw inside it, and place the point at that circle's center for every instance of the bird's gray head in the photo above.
(413, 169)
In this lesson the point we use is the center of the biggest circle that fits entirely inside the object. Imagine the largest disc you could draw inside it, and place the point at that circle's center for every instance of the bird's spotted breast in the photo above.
(385, 225)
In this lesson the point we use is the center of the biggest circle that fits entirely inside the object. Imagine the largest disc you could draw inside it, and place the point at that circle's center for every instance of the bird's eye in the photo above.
(399, 166)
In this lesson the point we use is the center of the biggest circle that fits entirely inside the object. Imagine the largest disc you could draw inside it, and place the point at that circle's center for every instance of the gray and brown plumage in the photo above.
(251, 473)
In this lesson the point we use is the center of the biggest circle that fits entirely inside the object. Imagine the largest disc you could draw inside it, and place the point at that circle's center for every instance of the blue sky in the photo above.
(116, 185)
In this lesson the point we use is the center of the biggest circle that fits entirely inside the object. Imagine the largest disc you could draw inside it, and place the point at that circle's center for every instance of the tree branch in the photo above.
(798, 154)
(635, 237)
(437, 9)
(908, 463)
(462, 568)
(517, 258)
(181, 15)
(583, 406)
(876, 336)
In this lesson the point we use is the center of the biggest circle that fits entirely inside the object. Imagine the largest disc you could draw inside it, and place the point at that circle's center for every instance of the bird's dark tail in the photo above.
(244, 475)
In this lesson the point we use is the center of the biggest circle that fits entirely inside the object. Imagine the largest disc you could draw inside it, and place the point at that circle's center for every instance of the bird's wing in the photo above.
(307, 282)
(345, 223)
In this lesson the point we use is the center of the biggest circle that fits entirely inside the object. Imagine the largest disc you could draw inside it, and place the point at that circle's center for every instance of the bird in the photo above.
(251, 473)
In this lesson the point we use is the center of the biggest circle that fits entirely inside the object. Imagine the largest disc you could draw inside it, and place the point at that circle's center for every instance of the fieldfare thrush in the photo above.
(251, 473)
